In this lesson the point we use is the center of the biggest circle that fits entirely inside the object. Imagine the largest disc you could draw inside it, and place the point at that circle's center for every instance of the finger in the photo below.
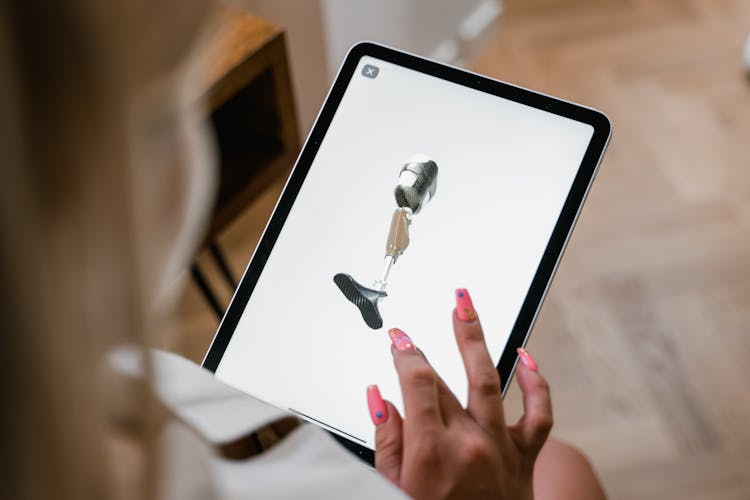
(449, 405)
(419, 383)
(388, 435)
(485, 403)
(531, 431)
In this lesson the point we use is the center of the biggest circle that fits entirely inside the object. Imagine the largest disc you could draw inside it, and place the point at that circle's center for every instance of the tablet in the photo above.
(416, 179)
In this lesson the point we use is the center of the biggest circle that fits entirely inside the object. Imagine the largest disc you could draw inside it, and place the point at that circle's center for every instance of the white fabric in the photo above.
(218, 412)
(307, 463)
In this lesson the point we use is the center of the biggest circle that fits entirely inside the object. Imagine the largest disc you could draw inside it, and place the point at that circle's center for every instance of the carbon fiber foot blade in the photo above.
(366, 299)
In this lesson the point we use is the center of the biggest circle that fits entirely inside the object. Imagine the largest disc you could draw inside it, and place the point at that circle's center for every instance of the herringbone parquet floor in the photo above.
(645, 335)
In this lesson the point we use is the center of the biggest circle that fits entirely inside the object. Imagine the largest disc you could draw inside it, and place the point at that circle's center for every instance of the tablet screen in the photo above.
(504, 170)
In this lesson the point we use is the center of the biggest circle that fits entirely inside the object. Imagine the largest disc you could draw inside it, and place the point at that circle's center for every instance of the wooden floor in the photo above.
(645, 335)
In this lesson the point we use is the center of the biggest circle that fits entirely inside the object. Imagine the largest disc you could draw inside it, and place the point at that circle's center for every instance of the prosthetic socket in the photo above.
(416, 186)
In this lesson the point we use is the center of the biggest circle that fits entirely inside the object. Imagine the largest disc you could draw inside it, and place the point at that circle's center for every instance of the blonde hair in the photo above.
(70, 270)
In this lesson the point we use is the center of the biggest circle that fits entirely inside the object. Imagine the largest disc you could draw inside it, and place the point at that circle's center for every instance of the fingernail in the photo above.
(527, 360)
(400, 340)
(464, 308)
(378, 410)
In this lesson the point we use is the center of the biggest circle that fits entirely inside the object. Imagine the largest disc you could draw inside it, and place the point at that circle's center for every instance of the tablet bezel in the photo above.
(552, 253)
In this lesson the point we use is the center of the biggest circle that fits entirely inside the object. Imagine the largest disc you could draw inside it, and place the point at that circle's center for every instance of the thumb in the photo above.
(388, 435)
(532, 429)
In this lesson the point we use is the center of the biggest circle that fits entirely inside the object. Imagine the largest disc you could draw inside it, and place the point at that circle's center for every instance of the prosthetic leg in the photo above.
(416, 186)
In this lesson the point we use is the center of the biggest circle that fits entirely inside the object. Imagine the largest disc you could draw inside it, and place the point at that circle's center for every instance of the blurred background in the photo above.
(645, 334)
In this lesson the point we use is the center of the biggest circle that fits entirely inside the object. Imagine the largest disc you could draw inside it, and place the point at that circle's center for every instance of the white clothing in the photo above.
(307, 463)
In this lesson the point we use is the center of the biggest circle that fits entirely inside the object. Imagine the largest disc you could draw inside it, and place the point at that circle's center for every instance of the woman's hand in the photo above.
(442, 450)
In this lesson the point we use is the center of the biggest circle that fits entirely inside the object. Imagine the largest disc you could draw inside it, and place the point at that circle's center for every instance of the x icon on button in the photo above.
(370, 71)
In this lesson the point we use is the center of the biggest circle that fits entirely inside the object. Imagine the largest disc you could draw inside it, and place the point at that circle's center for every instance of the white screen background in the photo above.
(505, 170)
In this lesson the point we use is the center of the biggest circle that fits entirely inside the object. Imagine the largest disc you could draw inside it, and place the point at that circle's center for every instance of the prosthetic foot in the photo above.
(416, 186)
(366, 299)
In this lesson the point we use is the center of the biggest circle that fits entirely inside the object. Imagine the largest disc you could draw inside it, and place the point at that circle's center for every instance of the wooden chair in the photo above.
(249, 96)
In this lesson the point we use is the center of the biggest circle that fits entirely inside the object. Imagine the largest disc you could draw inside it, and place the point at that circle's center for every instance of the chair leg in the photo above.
(208, 294)
(218, 256)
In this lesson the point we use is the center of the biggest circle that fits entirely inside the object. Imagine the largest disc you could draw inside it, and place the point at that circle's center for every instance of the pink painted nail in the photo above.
(400, 340)
(464, 308)
(527, 360)
(378, 410)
